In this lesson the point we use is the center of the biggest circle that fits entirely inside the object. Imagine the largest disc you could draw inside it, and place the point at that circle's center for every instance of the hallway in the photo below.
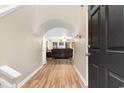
(29, 33)
(58, 73)
(88, 34)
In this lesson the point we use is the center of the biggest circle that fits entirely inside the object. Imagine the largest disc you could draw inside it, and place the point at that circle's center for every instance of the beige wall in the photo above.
(19, 47)
(3, 6)
(80, 60)
(50, 45)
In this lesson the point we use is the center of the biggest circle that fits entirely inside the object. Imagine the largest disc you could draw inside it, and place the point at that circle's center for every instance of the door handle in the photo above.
(88, 54)
(89, 46)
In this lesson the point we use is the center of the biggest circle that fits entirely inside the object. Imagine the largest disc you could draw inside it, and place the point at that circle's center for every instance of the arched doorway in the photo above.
(55, 29)
(57, 38)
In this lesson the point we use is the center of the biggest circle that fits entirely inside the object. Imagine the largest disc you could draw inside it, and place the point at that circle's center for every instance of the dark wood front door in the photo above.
(106, 40)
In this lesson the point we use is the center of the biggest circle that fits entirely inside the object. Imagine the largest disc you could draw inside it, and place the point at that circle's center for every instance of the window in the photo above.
(54, 45)
(61, 45)
(67, 44)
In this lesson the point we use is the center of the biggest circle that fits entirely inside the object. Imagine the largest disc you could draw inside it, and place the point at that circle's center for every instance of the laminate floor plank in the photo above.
(57, 73)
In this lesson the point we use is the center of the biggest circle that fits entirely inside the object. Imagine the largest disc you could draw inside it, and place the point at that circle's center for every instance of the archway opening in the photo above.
(59, 39)
(56, 33)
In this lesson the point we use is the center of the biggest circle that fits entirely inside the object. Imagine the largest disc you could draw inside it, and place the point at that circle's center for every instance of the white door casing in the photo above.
(44, 51)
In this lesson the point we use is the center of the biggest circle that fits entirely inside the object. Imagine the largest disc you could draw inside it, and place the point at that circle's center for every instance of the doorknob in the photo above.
(89, 46)
(88, 54)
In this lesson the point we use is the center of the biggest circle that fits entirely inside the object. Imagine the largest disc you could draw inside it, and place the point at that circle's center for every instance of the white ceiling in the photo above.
(60, 16)
(59, 33)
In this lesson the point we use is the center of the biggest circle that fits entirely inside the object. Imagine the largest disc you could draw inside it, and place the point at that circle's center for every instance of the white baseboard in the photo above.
(28, 77)
(81, 77)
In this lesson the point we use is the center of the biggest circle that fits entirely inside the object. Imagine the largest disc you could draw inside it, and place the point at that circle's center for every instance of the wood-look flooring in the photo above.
(58, 73)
